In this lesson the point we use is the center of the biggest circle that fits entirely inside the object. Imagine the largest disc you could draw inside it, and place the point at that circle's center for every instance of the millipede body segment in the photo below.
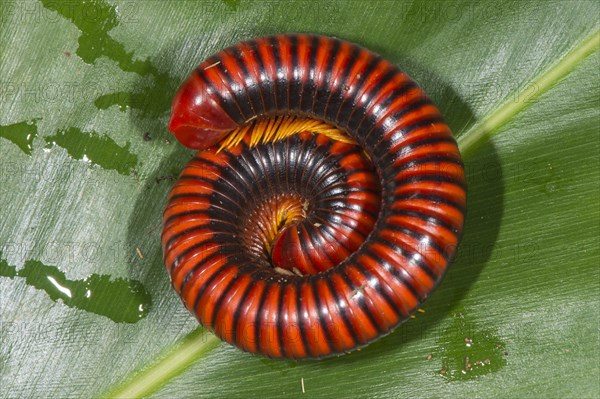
(324, 205)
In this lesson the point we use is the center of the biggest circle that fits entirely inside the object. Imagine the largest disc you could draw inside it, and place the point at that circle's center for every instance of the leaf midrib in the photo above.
(489, 125)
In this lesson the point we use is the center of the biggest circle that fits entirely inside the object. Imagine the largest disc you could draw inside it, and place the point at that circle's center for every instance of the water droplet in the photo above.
(59, 287)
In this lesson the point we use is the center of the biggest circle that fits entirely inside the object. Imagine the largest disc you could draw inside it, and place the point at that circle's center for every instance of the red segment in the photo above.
(363, 330)
(224, 317)
(245, 326)
(394, 294)
(341, 63)
(444, 212)
(207, 303)
(310, 322)
(414, 275)
(182, 264)
(290, 320)
(268, 320)
(198, 279)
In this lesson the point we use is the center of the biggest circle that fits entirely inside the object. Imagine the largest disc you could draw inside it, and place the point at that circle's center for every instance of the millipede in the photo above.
(324, 204)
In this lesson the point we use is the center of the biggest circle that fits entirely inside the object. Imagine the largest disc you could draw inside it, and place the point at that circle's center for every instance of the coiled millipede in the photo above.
(324, 205)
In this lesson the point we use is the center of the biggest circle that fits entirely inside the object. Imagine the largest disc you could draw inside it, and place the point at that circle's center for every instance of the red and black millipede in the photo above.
(316, 243)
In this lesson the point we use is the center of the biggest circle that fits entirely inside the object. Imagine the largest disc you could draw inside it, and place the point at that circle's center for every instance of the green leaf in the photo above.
(88, 162)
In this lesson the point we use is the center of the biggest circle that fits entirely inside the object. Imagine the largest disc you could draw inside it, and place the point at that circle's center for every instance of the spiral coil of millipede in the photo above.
(324, 205)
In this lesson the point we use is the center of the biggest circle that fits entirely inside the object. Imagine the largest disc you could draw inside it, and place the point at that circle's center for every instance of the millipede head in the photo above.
(196, 120)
